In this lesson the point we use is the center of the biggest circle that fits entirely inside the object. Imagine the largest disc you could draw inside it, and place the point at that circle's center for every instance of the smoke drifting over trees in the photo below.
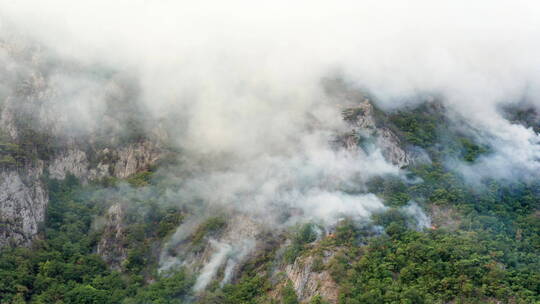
(238, 88)
(244, 78)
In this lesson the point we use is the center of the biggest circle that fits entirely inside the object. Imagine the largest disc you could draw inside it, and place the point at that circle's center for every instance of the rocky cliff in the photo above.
(23, 199)
(23, 193)
(111, 247)
(119, 162)
(53, 144)
(37, 140)
(368, 134)
(308, 281)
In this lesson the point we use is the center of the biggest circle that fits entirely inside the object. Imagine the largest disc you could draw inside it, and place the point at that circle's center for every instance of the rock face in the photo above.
(308, 283)
(367, 133)
(134, 157)
(41, 121)
(110, 247)
(23, 199)
(121, 162)
(218, 255)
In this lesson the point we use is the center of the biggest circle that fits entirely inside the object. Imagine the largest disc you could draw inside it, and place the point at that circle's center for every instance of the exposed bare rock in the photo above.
(134, 157)
(121, 162)
(445, 217)
(7, 120)
(34, 107)
(362, 119)
(217, 256)
(23, 196)
(361, 116)
(308, 283)
(73, 161)
(391, 148)
(111, 246)
(23, 199)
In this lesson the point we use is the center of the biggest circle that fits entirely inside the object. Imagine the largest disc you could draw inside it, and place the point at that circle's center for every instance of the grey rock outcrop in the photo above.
(308, 283)
(225, 250)
(120, 162)
(111, 245)
(33, 118)
(364, 125)
(23, 199)
(308, 278)
(73, 161)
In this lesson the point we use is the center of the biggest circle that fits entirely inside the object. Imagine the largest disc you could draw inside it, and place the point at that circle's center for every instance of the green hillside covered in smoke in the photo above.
(270, 153)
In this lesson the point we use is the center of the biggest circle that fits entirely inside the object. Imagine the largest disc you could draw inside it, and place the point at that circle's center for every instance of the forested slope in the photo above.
(481, 243)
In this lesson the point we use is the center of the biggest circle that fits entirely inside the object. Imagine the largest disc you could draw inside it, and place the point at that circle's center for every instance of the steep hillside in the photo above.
(124, 236)
(35, 146)
(222, 163)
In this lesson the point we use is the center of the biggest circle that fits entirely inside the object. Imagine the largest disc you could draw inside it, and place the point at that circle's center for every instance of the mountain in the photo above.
(104, 201)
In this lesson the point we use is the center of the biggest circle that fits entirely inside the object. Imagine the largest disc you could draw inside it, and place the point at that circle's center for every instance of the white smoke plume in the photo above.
(231, 66)
(243, 75)
(210, 269)
(240, 84)
(416, 212)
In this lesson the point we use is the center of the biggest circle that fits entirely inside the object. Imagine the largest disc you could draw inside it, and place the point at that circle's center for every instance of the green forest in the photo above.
(490, 253)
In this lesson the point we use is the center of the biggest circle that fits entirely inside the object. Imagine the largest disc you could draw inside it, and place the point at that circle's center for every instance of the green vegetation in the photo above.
(29, 146)
(471, 151)
(63, 267)
(11, 155)
(435, 267)
(171, 288)
(140, 179)
(210, 227)
(247, 290)
(301, 236)
(317, 300)
(490, 253)
(419, 126)
(288, 295)
(494, 254)
(427, 126)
